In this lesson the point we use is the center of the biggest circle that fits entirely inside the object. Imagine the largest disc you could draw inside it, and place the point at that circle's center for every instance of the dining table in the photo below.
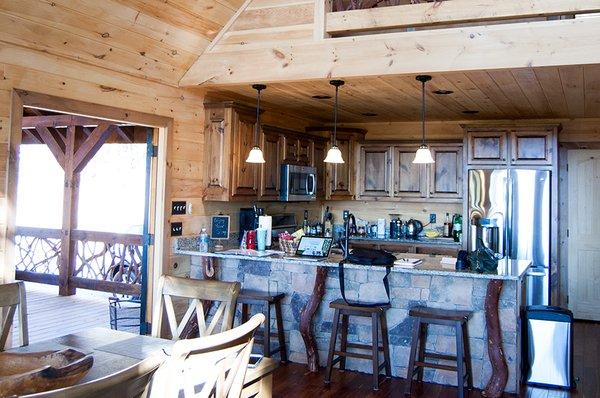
(114, 351)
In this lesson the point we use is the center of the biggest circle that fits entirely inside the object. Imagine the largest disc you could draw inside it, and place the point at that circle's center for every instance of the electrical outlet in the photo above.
(178, 208)
(176, 229)
(432, 218)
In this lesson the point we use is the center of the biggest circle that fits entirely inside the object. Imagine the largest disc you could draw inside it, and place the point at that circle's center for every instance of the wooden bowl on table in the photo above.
(32, 372)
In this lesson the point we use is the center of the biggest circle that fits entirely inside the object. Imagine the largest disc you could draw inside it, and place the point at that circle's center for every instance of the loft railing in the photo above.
(102, 261)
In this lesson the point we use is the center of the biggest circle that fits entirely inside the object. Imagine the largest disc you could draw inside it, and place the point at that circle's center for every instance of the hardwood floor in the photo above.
(293, 380)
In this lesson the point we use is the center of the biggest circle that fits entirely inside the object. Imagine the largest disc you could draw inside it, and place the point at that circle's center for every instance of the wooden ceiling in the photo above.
(157, 40)
(530, 93)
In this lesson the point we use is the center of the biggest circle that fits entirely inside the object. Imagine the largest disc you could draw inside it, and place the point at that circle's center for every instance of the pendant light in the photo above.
(334, 155)
(423, 155)
(256, 154)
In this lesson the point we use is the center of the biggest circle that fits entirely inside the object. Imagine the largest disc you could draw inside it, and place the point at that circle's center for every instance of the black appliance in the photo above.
(249, 219)
(413, 228)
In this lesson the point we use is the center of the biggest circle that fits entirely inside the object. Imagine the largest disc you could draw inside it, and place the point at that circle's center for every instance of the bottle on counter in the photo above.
(204, 241)
(457, 228)
(328, 224)
(305, 224)
(448, 227)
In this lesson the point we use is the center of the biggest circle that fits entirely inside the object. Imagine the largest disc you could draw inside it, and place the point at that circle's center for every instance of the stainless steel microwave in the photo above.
(298, 183)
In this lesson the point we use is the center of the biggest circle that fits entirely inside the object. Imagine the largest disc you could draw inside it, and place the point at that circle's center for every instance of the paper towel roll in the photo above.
(266, 222)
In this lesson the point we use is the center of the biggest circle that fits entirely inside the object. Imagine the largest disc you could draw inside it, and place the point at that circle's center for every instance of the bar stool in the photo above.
(254, 297)
(378, 321)
(425, 316)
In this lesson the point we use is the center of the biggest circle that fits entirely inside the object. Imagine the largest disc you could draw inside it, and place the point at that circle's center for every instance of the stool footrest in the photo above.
(361, 346)
(440, 356)
(351, 355)
(435, 366)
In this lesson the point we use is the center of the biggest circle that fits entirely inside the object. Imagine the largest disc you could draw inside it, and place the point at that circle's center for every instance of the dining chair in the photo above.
(12, 295)
(198, 292)
(128, 383)
(211, 366)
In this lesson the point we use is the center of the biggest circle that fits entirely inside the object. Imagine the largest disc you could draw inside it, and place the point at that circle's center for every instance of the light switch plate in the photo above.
(176, 229)
(178, 208)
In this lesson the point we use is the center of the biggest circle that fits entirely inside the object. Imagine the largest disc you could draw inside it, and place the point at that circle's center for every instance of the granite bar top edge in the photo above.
(330, 264)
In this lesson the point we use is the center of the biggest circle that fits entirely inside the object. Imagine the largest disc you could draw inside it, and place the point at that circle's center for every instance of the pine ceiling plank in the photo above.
(271, 17)
(591, 75)
(212, 10)
(573, 87)
(23, 32)
(530, 85)
(75, 22)
(489, 88)
(132, 19)
(549, 79)
(176, 17)
(509, 86)
(485, 105)
(246, 39)
(459, 96)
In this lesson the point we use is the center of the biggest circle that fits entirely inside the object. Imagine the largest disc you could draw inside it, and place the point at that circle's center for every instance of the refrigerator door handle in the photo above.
(508, 216)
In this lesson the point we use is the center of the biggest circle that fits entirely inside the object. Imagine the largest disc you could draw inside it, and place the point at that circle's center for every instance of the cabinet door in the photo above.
(375, 170)
(487, 147)
(410, 179)
(291, 149)
(532, 147)
(243, 175)
(217, 133)
(270, 171)
(317, 162)
(305, 152)
(341, 186)
(446, 174)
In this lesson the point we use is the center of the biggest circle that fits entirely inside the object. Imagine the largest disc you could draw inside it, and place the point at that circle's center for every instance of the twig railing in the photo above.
(103, 261)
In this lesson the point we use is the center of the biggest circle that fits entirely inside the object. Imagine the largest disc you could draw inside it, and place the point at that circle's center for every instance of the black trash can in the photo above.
(548, 347)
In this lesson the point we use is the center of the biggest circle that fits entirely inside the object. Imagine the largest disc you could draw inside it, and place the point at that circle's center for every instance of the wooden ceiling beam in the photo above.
(59, 121)
(451, 12)
(514, 45)
(91, 145)
(55, 147)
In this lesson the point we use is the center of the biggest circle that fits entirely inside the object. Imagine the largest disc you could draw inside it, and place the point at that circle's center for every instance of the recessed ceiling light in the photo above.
(369, 114)
(443, 92)
(321, 97)
(470, 112)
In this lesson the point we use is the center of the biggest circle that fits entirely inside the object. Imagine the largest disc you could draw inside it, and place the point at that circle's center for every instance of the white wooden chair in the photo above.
(12, 295)
(196, 291)
(128, 383)
(211, 366)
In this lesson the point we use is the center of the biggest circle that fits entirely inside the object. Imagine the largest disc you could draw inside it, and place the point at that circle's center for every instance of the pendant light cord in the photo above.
(257, 127)
(335, 116)
(423, 111)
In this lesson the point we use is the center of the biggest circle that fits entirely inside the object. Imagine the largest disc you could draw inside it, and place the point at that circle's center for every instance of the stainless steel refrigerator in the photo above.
(509, 212)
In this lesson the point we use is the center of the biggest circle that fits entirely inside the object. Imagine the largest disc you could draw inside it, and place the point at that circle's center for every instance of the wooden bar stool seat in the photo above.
(425, 316)
(378, 323)
(263, 336)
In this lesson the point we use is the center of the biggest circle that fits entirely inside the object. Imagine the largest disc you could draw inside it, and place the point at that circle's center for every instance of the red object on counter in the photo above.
(251, 240)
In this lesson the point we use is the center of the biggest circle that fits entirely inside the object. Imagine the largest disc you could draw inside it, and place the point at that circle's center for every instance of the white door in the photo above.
(584, 234)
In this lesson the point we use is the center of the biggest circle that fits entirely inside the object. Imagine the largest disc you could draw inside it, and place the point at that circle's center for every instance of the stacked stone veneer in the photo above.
(407, 290)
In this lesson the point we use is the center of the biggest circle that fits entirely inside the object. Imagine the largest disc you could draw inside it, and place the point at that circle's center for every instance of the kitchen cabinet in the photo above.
(530, 147)
(527, 145)
(446, 174)
(319, 152)
(487, 147)
(386, 172)
(291, 149)
(341, 181)
(375, 171)
(270, 171)
(410, 179)
(305, 151)
(217, 137)
(244, 176)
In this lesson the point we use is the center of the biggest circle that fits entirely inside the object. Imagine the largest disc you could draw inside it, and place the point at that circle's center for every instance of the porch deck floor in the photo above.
(51, 315)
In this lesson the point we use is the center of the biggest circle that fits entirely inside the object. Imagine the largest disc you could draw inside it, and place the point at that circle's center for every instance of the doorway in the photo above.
(89, 195)
(583, 232)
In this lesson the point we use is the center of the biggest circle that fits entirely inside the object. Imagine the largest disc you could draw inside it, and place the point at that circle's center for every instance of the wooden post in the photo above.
(70, 197)
(497, 382)
(306, 320)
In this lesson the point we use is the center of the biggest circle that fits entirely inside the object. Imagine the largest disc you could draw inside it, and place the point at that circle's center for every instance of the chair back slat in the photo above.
(197, 292)
(211, 366)
(12, 296)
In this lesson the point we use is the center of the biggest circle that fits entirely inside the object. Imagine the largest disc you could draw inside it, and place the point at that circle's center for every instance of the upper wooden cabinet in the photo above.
(244, 176)
(319, 151)
(518, 146)
(270, 171)
(387, 172)
(340, 182)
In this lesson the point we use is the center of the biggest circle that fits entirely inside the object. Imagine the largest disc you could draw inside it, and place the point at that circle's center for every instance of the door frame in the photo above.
(158, 256)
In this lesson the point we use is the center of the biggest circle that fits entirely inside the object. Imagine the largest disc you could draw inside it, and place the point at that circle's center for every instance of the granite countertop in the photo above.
(418, 241)
(507, 269)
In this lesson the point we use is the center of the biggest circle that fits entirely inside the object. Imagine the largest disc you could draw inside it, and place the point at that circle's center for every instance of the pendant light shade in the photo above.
(423, 155)
(334, 155)
(256, 154)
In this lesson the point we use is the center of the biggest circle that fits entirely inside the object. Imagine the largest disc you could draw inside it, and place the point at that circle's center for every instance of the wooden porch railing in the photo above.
(101, 261)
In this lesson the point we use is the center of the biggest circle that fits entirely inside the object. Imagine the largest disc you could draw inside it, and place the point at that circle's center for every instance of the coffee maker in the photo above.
(249, 220)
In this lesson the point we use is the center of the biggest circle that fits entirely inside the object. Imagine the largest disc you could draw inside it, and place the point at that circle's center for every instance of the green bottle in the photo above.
(457, 228)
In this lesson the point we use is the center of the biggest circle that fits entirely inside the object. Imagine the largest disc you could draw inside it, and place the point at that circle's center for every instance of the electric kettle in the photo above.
(413, 228)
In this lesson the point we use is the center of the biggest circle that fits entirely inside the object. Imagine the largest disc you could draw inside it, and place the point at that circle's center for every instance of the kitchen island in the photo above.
(494, 299)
